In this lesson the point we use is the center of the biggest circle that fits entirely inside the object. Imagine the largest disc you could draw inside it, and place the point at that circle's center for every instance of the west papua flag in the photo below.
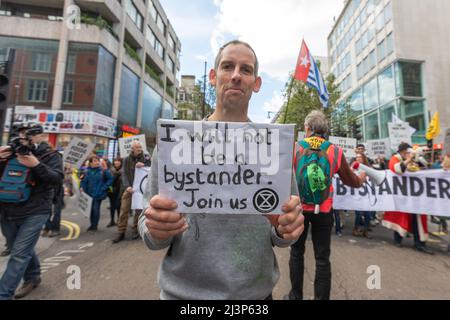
(307, 71)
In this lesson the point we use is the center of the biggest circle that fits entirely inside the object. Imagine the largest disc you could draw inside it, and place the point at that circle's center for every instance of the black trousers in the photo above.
(321, 225)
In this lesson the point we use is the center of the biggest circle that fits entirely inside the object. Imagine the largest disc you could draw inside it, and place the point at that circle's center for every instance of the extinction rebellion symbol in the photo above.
(265, 200)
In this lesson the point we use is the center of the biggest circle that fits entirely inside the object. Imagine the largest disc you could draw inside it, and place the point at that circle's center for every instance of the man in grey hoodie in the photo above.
(219, 256)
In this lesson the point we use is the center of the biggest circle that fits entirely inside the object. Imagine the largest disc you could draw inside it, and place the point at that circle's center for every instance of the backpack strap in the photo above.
(47, 154)
(325, 145)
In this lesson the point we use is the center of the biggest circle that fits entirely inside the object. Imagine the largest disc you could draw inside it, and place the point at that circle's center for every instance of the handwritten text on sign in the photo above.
(77, 152)
(139, 186)
(220, 167)
(125, 144)
(348, 145)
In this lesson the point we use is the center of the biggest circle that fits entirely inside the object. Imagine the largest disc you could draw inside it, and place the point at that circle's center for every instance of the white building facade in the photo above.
(393, 57)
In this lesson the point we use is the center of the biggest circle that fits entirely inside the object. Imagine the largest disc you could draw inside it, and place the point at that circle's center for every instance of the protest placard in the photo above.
(348, 145)
(301, 135)
(221, 167)
(77, 151)
(447, 142)
(125, 144)
(139, 186)
(398, 133)
(84, 204)
(380, 147)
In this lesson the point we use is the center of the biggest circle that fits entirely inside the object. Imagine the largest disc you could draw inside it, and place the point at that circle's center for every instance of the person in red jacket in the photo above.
(317, 128)
(402, 222)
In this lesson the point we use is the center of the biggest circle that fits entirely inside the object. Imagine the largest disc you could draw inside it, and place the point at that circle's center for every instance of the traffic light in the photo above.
(4, 88)
(356, 131)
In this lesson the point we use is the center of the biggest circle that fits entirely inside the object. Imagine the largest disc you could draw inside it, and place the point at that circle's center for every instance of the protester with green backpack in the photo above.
(316, 161)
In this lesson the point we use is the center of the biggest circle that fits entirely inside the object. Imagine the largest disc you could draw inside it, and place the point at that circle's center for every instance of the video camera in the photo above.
(16, 143)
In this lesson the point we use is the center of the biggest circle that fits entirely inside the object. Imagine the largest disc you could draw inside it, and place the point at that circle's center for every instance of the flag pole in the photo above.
(289, 99)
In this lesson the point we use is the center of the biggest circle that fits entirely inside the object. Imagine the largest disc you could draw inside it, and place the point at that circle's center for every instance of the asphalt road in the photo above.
(128, 270)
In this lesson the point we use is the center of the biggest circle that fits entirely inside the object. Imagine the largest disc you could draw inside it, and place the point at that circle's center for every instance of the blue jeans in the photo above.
(95, 212)
(54, 222)
(337, 219)
(23, 234)
(362, 218)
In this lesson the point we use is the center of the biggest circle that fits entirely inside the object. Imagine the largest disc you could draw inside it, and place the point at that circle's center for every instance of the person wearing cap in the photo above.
(402, 222)
(22, 222)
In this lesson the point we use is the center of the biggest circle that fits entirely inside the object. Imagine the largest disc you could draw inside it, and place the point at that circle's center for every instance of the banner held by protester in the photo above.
(424, 192)
(139, 186)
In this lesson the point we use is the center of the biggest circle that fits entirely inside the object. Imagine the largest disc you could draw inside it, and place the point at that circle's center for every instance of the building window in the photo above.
(372, 60)
(371, 94)
(389, 43)
(71, 62)
(388, 13)
(372, 127)
(134, 14)
(386, 113)
(37, 90)
(410, 79)
(413, 113)
(151, 37)
(386, 85)
(152, 10)
(41, 62)
(381, 50)
(356, 102)
(170, 65)
(68, 92)
(159, 49)
(171, 43)
(160, 24)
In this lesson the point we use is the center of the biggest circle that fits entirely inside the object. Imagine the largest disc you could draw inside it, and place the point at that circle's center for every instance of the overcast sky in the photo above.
(274, 28)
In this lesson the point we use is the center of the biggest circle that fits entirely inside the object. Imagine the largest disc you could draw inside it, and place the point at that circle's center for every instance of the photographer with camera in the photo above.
(29, 170)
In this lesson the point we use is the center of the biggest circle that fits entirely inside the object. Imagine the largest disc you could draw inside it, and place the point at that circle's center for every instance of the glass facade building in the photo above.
(373, 72)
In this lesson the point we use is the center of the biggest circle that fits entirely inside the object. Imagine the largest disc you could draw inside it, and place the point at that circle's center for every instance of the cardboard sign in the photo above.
(380, 147)
(84, 204)
(77, 151)
(139, 186)
(398, 133)
(225, 168)
(447, 142)
(125, 144)
(348, 145)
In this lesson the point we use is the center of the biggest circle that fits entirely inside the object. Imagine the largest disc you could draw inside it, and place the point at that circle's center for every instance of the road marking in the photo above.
(74, 230)
(57, 259)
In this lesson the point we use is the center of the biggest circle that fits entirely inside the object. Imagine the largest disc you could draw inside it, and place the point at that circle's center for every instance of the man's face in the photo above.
(405, 154)
(360, 150)
(136, 149)
(234, 78)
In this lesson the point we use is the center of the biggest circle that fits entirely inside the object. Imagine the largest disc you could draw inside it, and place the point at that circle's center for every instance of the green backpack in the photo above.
(313, 174)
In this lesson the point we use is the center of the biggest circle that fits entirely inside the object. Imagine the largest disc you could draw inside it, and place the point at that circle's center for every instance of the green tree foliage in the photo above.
(305, 99)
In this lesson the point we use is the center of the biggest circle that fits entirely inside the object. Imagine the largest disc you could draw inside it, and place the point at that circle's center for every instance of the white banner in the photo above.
(301, 135)
(348, 145)
(424, 192)
(377, 148)
(398, 133)
(84, 204)
(125, 144)
(227, 168)
(139, 186)
(77, 151)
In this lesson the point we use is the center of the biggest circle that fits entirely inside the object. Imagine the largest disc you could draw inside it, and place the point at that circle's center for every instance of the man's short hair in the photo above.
(236, 42)
(360, 145)
(403, 147)
(317, 122)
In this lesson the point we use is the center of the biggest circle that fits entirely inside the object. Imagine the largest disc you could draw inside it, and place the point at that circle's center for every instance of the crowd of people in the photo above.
(40, 215)
(403, 224)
